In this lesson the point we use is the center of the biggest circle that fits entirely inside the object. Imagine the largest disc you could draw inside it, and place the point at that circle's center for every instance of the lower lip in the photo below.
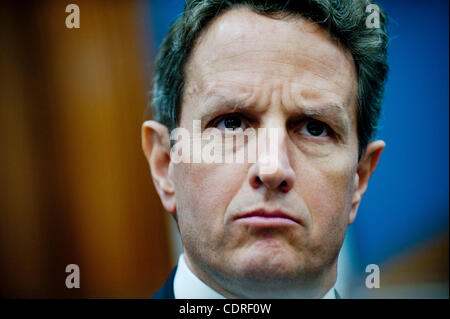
(260, 221)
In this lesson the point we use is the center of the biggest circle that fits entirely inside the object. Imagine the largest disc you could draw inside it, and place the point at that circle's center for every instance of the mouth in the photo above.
(262, 218)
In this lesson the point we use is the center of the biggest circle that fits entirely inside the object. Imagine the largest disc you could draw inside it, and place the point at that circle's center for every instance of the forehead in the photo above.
(242, 51)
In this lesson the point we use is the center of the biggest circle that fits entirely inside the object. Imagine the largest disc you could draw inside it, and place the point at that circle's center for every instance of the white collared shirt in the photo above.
(186, 285)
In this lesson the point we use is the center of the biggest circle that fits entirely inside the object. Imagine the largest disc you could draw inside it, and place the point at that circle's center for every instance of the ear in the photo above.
(156, 147)
(366, 167)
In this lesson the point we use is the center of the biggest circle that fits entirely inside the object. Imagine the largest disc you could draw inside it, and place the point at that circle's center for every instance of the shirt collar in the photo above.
(186, 285)
(331, 294)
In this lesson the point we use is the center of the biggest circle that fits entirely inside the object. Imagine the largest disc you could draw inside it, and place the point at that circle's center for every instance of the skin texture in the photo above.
(270, 73)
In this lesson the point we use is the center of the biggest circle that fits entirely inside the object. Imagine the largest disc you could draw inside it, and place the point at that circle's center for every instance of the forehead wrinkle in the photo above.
(307, 92)
(336, 74)
(234, 89)
(312, 92)
(243, 97)
(293, 56)
(328, 76)
(316, 66)
(238, 83)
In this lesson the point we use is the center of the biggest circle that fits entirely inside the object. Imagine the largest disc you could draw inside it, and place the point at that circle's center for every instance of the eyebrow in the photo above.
(215, 104)
(332, 112)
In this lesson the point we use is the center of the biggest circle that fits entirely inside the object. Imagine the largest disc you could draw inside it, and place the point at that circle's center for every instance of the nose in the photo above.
(272, 168)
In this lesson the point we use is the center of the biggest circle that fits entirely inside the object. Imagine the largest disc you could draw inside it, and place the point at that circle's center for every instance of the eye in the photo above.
(231, 122)
(315, 128)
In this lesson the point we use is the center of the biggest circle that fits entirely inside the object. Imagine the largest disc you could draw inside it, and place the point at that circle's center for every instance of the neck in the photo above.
(306, 286)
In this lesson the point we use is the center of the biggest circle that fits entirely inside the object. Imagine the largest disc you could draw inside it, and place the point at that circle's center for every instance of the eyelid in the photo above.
(303, 121)
(218, 119)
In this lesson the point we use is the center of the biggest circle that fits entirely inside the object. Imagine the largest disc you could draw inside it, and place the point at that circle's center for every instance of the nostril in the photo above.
(284, 186)
(256, 182)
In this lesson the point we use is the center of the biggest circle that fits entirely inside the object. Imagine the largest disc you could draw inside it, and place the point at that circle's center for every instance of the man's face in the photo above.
(252, 71)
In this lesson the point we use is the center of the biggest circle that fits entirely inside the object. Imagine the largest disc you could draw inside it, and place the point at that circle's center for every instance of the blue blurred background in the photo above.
(407, 202)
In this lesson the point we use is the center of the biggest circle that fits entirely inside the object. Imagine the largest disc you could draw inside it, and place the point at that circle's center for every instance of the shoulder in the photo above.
(166, 291)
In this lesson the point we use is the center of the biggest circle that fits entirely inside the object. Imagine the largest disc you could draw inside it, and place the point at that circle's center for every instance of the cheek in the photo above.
(203, 193)
(326, 189)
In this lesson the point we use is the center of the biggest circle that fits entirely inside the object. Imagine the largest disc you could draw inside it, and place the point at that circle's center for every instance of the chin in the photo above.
(268, 266)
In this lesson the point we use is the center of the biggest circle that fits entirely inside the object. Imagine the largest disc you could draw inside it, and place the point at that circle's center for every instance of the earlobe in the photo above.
(366, 167)
(156, 147)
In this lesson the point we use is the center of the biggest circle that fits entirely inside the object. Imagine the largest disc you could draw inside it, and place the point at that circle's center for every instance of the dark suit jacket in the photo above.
(166, 291)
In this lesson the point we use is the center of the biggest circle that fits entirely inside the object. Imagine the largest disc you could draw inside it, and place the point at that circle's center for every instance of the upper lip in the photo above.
(268, 214)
